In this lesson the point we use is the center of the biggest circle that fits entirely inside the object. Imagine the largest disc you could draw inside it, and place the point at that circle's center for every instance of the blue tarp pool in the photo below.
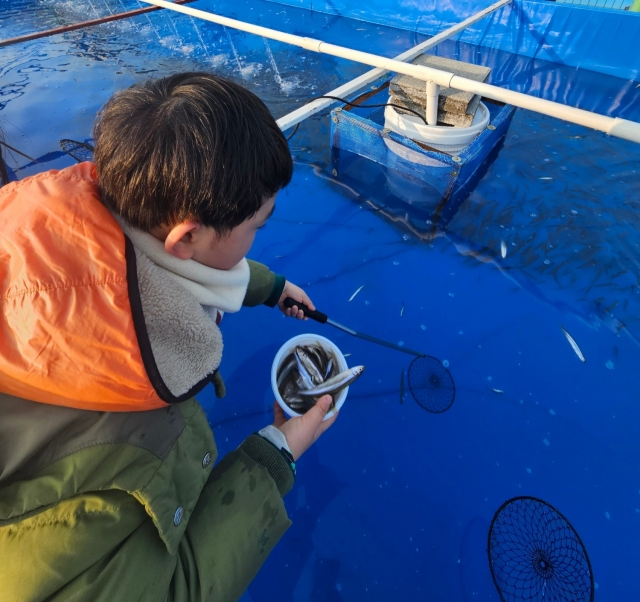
(395, 503)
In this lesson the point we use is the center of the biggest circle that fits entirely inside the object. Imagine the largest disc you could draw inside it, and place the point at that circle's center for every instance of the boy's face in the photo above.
(191, 240)
(224, 252)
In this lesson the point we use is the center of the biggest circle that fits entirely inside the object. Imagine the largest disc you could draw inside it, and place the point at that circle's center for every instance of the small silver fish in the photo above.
(335, 384)
(301, 384)
(312, 370)
(294, 401)
(319, 354)
(497, 390)
(328, 370)
(285, 370)
(354, 294)
(545, 178)
(503, 249)
(289, 392)
(295, 406)
(402, 310)
(304, 375)
(302, 370)
(574, 345)
(300, 405)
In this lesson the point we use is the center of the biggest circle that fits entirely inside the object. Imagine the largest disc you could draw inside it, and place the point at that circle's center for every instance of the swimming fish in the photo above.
(503, 249)
(574, 345)
(336, 383)
(354, 294)
(497, 390)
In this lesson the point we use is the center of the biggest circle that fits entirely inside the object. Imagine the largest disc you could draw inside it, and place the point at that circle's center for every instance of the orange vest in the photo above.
(72, 331)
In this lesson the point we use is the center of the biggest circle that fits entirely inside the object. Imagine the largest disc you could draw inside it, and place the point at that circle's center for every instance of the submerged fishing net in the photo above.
(80, 151)
(431, 384)
(536, 555)
(405, 179)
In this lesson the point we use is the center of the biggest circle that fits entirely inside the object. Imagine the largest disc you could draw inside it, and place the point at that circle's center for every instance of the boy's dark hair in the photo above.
(189, 146)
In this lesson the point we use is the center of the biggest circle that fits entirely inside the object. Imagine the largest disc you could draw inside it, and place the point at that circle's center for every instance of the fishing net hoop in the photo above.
(435, 393)
(550, 563)
(80, 151)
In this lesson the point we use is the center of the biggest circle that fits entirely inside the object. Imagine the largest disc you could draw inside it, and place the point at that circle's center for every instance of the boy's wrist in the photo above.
(275, 460)
(277, 438)
(276, 292)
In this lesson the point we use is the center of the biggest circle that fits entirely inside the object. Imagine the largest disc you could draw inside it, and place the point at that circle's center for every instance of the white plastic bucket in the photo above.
(441, 137)
(288, 348)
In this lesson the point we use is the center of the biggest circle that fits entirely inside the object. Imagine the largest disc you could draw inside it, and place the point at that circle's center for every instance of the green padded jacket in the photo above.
(126, 506)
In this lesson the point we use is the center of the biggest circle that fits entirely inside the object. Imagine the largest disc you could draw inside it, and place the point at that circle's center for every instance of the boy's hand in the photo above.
(295, 292)
(301, 432)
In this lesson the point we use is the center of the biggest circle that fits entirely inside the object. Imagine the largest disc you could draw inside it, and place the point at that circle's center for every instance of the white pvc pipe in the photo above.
(433, 92)
(540, 105)
(621, 128)
(315, 106)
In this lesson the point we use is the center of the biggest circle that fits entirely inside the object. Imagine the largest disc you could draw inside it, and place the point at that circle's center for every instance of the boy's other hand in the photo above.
(301, 432)
(295, 292)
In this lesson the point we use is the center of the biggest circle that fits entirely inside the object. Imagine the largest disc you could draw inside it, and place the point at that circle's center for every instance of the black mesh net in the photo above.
(536, 555)
(431, 384)
(80, 151)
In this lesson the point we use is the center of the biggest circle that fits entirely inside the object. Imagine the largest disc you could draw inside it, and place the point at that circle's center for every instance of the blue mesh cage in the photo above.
(406, 179)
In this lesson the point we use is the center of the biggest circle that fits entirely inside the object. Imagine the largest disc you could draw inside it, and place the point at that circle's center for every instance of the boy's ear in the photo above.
(180, 240)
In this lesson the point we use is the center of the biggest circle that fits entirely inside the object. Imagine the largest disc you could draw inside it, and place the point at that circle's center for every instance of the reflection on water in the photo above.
(161, 42)
(556, 209)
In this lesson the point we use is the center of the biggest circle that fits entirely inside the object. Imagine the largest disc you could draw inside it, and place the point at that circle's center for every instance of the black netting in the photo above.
(431, 384)
(536, 555)
(80, 151)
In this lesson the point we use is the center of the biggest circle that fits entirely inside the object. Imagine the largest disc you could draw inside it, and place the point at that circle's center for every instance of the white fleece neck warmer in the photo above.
(185, 342)
(221, 289)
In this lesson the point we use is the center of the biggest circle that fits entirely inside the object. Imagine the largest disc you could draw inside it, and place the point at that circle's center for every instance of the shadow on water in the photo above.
(312, 577)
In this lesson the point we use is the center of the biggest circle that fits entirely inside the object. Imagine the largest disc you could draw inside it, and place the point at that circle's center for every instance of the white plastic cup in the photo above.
(288, 348)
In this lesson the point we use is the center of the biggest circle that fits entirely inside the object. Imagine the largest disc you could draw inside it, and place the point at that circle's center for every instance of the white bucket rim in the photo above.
(447, 138)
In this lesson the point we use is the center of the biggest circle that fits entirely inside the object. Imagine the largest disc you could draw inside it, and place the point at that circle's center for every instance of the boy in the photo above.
(113, 278)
